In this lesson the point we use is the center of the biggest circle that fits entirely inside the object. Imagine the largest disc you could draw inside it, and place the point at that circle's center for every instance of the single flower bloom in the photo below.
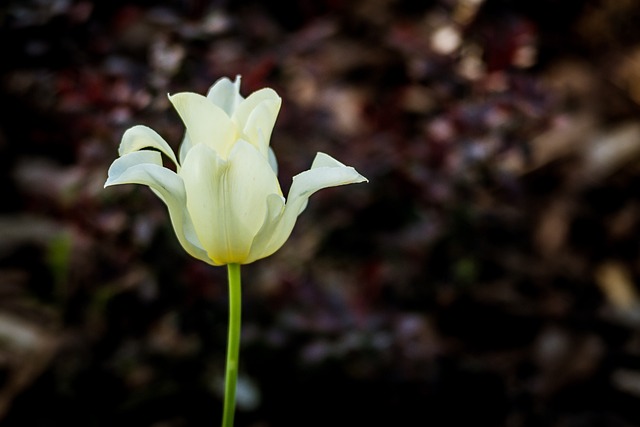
(224, 198)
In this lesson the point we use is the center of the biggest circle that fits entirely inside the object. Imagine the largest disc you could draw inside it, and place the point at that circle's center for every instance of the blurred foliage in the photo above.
(487, 273)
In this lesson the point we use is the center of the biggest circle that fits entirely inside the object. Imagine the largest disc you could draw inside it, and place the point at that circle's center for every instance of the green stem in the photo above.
(233, 344)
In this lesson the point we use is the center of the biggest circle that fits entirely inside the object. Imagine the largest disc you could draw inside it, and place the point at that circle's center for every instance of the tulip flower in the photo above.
(223, 197)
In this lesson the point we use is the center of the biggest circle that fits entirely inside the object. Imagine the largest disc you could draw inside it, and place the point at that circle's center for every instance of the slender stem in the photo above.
(233, 344)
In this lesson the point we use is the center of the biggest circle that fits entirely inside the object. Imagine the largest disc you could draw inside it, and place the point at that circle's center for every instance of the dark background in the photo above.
(487, 275)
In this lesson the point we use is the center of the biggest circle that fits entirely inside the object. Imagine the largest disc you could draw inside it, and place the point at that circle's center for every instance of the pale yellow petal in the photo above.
(275, 208)
(259, 125)
(243, 110)
(184, 148)
(325, 172)
(139, 137)
(210, 203)
(251, 179)
(122, 166)
(206, 123)
(273, 160)
(226, 94)
(324, 160)
(257, 115)
(145, 167)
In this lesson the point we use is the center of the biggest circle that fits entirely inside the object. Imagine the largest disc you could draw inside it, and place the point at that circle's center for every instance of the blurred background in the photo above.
(486, 275)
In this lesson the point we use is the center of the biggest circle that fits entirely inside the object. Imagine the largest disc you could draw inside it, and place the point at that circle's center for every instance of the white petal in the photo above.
(226, 94)
(259, 124)
(325, 160)
(257, 115)
(275, 208)
(139, 137)
(251, 179)
(202, 172)
(145, 167)
(243, 110)
(118, 170)
(205, 178)
(206, 123)
(227, 200)
(184, 148)
(326, 172)
(273, 161)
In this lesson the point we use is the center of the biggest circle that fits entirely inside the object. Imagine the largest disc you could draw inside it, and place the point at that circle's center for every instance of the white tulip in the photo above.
(224, 198)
